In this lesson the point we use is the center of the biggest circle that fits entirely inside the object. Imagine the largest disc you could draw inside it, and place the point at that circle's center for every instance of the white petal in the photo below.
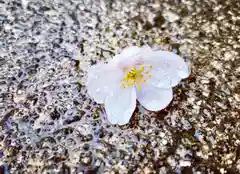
(128, 56)
(99, 67)
(168, 68)
(146, 49)
(163, 78)
(120, 105)
(101, 79)
(153, 98)
(169, 60)
(130, 51)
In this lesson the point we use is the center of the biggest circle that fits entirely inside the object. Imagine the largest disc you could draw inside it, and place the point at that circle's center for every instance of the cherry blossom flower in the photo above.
(136, 73)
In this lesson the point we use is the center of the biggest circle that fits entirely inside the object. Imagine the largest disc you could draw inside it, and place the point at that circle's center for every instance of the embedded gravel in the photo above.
(49, 125)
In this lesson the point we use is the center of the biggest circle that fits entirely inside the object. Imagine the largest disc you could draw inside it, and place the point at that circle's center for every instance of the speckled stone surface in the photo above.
(48, 124)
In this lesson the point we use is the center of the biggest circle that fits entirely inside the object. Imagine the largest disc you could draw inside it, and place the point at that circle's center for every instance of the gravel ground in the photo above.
(48, 124)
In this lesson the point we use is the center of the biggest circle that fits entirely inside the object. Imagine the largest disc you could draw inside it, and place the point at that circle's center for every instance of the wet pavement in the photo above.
(48, 124)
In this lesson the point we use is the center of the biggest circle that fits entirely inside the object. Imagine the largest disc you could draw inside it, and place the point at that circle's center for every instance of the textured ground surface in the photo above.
(49, 125)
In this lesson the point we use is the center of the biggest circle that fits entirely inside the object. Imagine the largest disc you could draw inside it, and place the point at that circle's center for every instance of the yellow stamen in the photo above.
(139, 87)
(135, 76)
(123, 85)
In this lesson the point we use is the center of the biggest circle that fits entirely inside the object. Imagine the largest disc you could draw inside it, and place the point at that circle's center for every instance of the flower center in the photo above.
(136, 76)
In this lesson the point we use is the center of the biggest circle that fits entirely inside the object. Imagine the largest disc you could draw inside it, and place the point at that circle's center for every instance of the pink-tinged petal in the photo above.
(163, 78)
(153, 98)
(101, 79)
(130, 51)
(120, 104)
(168, 60)
(128, 57)
(167, 68)
(145, 50)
